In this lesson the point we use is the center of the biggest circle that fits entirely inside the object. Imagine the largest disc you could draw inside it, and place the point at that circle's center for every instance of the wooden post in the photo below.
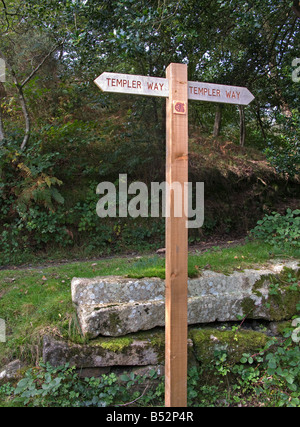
(176, 240)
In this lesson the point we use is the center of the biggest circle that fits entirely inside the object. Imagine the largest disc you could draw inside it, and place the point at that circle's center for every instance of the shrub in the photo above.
(279, 230)
(283, 153)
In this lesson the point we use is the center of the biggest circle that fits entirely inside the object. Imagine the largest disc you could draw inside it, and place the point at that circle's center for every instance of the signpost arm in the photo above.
(176, 240)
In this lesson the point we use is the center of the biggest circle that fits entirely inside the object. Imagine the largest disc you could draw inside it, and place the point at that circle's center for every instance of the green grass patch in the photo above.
(250, 255)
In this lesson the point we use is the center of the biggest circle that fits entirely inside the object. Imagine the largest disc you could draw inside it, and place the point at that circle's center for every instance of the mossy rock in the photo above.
(280, 302)
(285, 295)
(116, 345)
(209, 341)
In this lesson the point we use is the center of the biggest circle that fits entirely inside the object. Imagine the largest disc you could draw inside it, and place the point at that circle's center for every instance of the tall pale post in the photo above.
(176, 239)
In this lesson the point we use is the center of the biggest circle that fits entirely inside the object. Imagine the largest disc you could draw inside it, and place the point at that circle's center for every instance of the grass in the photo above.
(38, 300)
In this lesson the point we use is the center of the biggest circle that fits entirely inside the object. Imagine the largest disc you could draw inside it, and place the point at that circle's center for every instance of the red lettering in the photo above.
(204, 91)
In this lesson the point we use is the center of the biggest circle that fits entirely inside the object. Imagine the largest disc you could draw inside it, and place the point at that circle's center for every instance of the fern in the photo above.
(39, 189)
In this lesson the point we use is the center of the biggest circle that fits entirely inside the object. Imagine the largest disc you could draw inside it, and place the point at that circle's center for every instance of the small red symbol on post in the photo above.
(179, 107)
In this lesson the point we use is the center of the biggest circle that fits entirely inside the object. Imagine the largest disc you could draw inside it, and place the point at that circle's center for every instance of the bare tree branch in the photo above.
(40, 65)
(22, 101)
(130, 403)
(2, 95)
(20, 86)
(2, 136)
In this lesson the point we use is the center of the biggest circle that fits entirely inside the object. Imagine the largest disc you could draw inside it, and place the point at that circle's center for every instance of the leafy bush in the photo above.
(30, 200)
(284, 152)
(28, 177)
(274, 371)
(279, 230)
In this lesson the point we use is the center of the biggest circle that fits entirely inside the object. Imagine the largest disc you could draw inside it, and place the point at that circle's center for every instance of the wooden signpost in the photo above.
(178, 90)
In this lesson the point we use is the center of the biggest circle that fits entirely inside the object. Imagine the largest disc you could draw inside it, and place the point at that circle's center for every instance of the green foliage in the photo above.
(28, 177)
(49, 387)
(31, 211)
(86, 135)
(279, 380)
(284, 151)
(279, 230)
(114, 234)
(268, 378)
(46, 386)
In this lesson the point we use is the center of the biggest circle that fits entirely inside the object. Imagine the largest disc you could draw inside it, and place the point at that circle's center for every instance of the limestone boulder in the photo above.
(116, 306)
(98, 355)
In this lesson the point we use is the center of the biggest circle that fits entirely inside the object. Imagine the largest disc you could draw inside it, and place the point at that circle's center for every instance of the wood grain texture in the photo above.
(176, 243)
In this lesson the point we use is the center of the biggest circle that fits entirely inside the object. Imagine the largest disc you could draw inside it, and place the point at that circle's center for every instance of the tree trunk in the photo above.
(20, 86)
(218, 120)
(242, 125)
(296, 7)
(26, 117)
(2, 94)
(24, 109)
(2, 136)
(260, 122)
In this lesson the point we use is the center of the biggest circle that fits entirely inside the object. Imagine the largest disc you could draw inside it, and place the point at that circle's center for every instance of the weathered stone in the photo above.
(12, 370)
(97, 355)
(116, 306)
(234, 343)
(143, 352)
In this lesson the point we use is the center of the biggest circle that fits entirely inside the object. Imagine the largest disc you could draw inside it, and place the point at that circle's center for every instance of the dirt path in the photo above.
(193, 249)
